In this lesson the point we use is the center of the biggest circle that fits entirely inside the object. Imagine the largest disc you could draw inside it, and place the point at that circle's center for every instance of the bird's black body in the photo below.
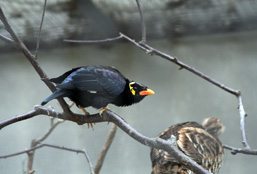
(97, 86)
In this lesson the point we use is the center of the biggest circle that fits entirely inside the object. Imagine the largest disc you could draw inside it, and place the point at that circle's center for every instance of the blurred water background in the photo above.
(180, 96)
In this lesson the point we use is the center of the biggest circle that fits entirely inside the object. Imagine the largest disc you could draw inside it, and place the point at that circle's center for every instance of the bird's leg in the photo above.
(103, 109)
(86, 113)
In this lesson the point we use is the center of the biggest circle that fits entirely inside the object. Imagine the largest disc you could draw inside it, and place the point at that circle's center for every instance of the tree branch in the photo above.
(143, 28)
(21, 152)
(105, 149)
(244, 150)
(73, 150)
(35, 142)
(109, 116)
(94, 41)
(83, 151)
(31, 58)
(40, 28)
(38, 110)
(242, 121)
(6, 39)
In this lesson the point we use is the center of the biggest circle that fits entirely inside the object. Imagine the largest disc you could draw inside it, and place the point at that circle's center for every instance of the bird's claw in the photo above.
(102, 110)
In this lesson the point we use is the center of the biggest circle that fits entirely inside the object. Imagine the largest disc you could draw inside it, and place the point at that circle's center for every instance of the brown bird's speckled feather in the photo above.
(199, 142)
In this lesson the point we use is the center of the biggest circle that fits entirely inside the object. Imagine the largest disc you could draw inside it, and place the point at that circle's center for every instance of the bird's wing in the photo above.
(187, 138)
(61, 78)
(197, 144)
(97, 79)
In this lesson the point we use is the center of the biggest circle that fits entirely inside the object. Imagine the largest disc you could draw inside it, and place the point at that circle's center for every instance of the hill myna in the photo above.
(97, 86)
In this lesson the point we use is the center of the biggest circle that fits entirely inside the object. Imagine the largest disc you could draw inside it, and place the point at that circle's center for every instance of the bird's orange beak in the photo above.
(146, 92)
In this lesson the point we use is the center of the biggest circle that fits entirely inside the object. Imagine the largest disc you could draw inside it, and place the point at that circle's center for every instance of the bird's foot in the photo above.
(86, 113)
(103, 109)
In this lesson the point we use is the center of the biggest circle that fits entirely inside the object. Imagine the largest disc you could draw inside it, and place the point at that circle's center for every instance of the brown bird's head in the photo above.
(213, 126)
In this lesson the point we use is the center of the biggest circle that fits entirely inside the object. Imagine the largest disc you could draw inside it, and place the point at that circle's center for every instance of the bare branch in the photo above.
(79, 119)
(31, 58)
(156, 143)
(94, 41)
(105, 149)
(50, 130)
(89, 162)
(143, 28)
(109, 116)
(72, 150)
(40, 28)
(6, 39)
(21, 152)
(244, 150)
(242, 121)
(56, 147)
(18, 118)
(35, 142)
(154, 51)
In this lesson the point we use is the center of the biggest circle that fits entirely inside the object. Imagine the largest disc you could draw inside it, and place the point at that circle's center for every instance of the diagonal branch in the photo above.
(143, 28)
(242, 121)
(105, 149)
(109, 116)
(83, 151)
(31, 58)
(40, 28)
(6, 39)
(35, 142)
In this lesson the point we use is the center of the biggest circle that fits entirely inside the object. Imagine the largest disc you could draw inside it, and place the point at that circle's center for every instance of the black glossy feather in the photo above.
(102, 79)
(96, 86)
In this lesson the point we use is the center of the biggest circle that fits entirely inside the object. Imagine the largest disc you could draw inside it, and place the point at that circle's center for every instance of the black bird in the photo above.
(97, 86)
(199, 142)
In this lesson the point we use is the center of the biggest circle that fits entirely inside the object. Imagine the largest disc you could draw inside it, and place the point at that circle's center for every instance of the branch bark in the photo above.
(35, 142)
(244, 150)
(109, 116)
(31, 58)
(40, 28)
(105, 149)
(40, 145)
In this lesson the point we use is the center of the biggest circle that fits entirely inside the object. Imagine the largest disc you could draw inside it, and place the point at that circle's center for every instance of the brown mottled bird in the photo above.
(199, 142)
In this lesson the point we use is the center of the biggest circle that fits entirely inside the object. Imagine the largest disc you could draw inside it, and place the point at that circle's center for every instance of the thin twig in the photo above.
(94, 41)
(89, 161)
(72, 150)
(21, 152)
(242, 121)
(40, 28)
(31, 58)
(245, 150)
(105, 148)
(154, 51)
(143, 28)
(35, 142)
(56, 147)
(6, 39)
(50, 130)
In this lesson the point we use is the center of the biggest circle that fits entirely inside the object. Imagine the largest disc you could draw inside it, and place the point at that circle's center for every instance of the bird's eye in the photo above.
(135, 88)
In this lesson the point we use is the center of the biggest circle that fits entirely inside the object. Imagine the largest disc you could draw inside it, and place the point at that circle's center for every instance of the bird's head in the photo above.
(214, 126)
(139, 91)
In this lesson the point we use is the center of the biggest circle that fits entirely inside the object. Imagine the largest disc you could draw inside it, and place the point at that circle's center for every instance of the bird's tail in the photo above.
(58, 93)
